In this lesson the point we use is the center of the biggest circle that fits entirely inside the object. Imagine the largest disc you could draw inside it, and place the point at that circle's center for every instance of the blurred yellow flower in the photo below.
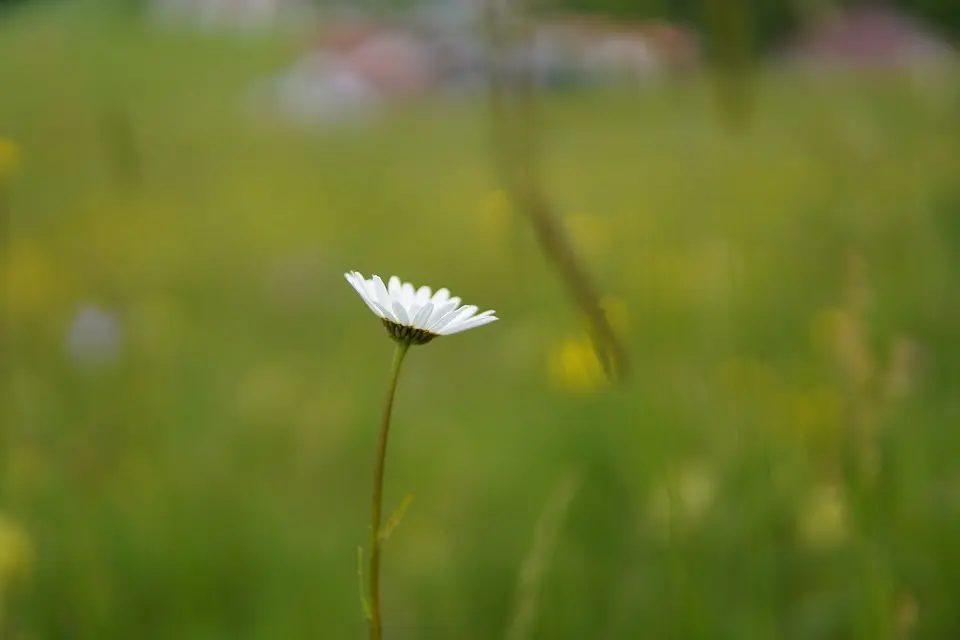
(823, 518)
(814, 414)
(29, 279)
(573, 366)
(144, 234)
(9, 158)
(16, 553)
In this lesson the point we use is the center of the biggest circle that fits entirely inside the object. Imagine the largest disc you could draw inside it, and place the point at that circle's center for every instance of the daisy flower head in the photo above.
(416, 316)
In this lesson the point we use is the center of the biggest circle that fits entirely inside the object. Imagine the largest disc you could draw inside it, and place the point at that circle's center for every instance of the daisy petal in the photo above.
(460, 321)
(401, 314)
(440, 312)
(484, 314)
(394, 288)
(422, 316)
(359, 284)
(472, 323)
(423, 295)
(409, 295)
(369, 288)
(451, 320)
(381, 292)
(356, 281)
(352, 278)
(382, 311)
(440, 297)
(465, 312)
(450, 306)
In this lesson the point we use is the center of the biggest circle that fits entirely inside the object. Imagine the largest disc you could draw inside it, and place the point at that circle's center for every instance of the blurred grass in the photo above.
(214, 482)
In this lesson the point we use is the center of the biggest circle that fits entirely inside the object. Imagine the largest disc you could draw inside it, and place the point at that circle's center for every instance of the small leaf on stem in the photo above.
(367, 609)
(396, 517)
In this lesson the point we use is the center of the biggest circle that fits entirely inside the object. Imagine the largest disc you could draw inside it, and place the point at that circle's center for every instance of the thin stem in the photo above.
(376, 627)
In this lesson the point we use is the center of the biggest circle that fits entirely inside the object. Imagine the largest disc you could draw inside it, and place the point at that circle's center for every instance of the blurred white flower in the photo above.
(684, 498)
(414, 315)
(94, 337)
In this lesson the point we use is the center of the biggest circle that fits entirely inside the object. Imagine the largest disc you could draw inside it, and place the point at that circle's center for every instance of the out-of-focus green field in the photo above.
(782, 462)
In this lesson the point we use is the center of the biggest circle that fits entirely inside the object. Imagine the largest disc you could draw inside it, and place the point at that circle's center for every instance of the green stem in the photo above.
(376, 627)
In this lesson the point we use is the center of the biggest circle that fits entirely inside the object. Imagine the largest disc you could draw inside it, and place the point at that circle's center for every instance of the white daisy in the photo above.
(414, 315)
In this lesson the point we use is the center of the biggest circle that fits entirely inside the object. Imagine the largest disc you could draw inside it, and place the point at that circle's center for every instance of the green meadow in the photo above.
(780, 462)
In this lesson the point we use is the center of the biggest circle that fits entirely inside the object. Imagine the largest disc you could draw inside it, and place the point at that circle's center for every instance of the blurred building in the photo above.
(868, 37)
(357, 63)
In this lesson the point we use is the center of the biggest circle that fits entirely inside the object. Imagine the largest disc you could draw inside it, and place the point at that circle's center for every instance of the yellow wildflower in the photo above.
(29, 279)
(816, 414)
(9, 158)
(573, 366)
(16, 553)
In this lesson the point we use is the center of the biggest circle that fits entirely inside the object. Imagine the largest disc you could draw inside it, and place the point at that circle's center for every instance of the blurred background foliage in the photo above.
(768, 21)
(191, 390)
